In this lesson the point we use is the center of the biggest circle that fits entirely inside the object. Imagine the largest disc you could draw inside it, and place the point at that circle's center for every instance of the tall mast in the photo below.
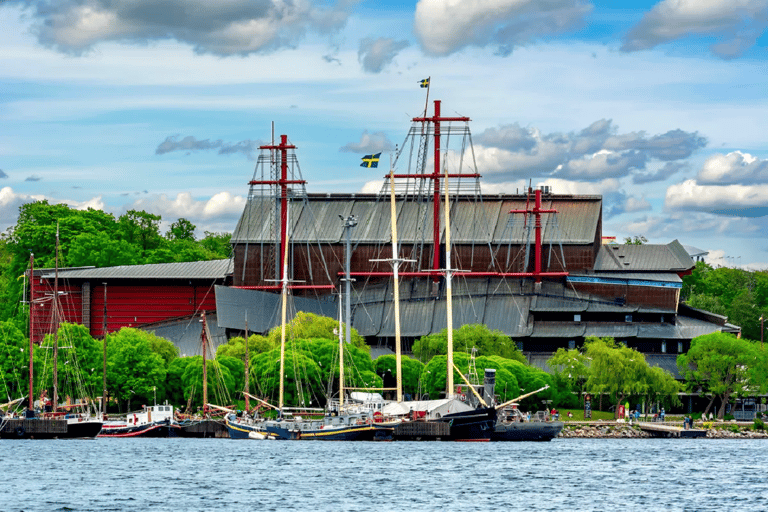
(203, 338)
(284, 296)
(30, 405)
(396, 282)
(448, 290)
(56, 326)
(104, 376)
(341, 362)
(247, 361)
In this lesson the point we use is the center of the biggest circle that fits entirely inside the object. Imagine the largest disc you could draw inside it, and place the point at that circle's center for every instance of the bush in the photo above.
(758, 425)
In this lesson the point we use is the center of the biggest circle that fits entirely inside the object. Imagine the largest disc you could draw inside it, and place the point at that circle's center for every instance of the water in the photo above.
(226, 475)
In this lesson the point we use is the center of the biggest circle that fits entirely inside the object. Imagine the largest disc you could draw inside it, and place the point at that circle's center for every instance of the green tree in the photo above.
(221, 383)
(571, 366)
(217, 244)
(163, 347)
(636, 240)
(14, 362)
(303, 382)
(175, 380)
(621, 372)
(182, 229)
(80, 362)
(488, 343)
(311, 326)
(386, 368)
(724, 367)
(134, 371)
(140, 228)
(101, 250)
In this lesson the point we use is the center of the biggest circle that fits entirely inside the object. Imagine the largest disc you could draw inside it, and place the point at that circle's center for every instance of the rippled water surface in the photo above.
(223, 474)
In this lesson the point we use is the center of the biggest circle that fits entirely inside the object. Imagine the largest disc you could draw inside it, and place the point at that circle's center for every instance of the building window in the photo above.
(577, 318)
(663, 346)
(519, 345)
(679, 347)
(628, 318)
(571, 344)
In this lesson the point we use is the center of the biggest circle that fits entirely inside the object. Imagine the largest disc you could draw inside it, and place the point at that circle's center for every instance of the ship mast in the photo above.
(56, 326)
(204, 340)
(30, 405)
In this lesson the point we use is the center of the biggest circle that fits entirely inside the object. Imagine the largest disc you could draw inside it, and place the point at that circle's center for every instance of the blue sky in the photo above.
(659, 106)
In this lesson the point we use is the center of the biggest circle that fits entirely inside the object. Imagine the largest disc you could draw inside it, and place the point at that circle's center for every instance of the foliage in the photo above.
(174, 379)
(622, 372)
(571, 367)
(163, 347)
(758, 424)
(722, 365)
(488, 343)
(303, 384)
(182, 229)
(221, 383)
(311, 326)
(235, 347)
(14, 362)
(636, 240)
(80, 362)
(217, 244)
(134, 371)
(386, 368)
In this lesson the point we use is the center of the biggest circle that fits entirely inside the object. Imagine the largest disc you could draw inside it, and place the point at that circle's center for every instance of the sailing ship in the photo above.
(47, 421)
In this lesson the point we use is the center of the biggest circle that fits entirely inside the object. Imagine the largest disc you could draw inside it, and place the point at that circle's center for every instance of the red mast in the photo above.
(536, 211)
(435, 176)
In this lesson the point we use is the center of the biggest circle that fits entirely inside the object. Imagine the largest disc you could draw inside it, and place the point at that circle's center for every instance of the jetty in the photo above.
(666, 430)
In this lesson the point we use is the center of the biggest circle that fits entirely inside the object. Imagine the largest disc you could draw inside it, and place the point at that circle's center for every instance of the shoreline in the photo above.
(615, 430)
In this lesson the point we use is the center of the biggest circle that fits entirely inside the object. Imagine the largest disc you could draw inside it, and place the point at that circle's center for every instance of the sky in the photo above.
(160, 105)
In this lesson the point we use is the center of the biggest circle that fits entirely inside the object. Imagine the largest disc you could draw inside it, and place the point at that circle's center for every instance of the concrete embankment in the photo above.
(610, 430)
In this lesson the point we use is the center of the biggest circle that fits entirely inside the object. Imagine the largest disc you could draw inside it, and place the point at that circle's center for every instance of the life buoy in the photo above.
(463, 396)
(20, 431)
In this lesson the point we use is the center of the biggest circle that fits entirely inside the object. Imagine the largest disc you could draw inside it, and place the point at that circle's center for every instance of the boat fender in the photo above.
(463, 396)
(20, 431)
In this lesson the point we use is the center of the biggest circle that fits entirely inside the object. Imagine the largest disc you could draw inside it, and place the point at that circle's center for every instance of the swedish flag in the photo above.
(424, 83)
(371, 160)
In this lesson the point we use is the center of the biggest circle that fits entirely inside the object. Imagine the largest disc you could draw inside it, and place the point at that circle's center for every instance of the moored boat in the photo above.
(153, 421)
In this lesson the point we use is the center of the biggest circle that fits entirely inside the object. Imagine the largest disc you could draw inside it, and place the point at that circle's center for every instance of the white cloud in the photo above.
(734, 167)
(375, 142)
(637, 205)
(732, 200)
(222, 205)
(239, 27)
(446, 26)
(10, 202)
(738, 24)
(375, 54)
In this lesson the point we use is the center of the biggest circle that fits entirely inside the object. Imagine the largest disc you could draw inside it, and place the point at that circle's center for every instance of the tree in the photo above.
(14, 363)
(637, 240)
(174, 380)
(101, 250)
(621, 372)
(723, 366)
(163, 347)
(182, 229)
(311, 326)
(488, 343)
(80, 362)
(303, 383)
(221, 384)
(571, 365)
(140, 228)
(217, 244)
(134, 371)
(386, 367)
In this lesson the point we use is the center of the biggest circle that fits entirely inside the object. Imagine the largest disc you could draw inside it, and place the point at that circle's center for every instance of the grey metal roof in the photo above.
(666, 362)
(563, 304)
(558, 330)
(508, 314)
(611, 330)
(663, 277)
(647, 257)
(474, 221)
(185, 333)
(214, 269)
(262, 310)
(690, 328)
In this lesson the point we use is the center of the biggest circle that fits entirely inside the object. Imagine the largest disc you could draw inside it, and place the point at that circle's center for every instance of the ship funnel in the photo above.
(489, 385)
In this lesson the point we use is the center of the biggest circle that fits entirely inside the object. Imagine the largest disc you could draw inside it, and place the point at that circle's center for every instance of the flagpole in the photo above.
(426, 103)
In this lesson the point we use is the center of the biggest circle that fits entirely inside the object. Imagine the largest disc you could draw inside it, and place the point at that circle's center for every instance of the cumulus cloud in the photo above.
(238, 27)
(729, 200)
(444, 27)
(661, 174)
(733, 168)
(376, 142)
(375, 54)
(10, 202)
(190, 143)
(222, 205)
(736, 23)
(593, 153)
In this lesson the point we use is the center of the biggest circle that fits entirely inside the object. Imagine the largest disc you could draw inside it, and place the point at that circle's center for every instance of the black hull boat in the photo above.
(203, 428)
(475, 425)
(47, 428)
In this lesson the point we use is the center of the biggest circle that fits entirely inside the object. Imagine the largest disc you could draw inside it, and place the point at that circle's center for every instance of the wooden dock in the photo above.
(662, 430)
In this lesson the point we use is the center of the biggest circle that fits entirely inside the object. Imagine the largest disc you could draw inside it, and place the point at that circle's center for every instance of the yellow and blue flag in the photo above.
(424, 83)
(371, 161)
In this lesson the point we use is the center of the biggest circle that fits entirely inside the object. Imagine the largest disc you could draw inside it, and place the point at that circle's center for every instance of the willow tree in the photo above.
(620, 372)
